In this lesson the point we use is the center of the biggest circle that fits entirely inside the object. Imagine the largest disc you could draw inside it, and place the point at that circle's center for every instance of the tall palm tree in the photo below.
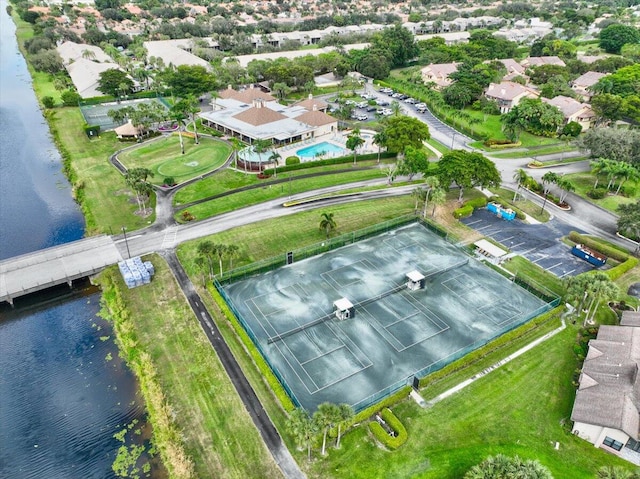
(345, 413)
(326, 416)
(303, 428)
(233, 251)
(206, 251)
(520, 177)
(627, 172)
(380, 139)
(327, 223)
(274, 157)
(438, 197)
(601, 287)
(178, 115)
(432, 183)
(566, 186)
(420, 194)
(220, 250)
(354, 141)
(396, 109)
(598, 166)
(260, 146)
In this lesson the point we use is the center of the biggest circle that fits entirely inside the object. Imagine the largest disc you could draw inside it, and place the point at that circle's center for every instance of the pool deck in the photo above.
(338, 140)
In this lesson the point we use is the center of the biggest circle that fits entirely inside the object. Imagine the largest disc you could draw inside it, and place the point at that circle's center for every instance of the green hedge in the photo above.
(476, 203)
(498, 343)
(292, 160)
(617, 271)
(394, 423)
(463, 211)
(601, 246)
(258, 360)
(329, 161)
(395, 398)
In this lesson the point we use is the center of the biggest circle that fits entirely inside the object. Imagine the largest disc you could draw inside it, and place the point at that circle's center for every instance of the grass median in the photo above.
(282, 190)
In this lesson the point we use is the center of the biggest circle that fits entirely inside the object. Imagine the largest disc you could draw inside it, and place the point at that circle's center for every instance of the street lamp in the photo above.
(544, 202)
(124, 232)
(452, 138)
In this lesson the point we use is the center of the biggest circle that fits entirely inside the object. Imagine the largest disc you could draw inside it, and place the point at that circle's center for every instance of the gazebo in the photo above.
(128, 131)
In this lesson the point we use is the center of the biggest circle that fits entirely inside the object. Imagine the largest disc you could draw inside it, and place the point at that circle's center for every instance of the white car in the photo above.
(386, 112)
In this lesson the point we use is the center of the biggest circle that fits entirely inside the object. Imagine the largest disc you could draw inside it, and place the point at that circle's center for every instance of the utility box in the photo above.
(344, 309)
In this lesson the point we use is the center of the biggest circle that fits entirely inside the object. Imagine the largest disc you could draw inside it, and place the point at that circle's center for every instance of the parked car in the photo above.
(382, 102)
(410, 100)
(371, 108)
(420, 105)
(397, 95)
(386, 112)
(362, 104)
(361, 117)
(403, 97)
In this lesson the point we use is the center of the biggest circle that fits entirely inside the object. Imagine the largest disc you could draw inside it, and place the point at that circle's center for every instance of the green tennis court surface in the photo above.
(395, 333)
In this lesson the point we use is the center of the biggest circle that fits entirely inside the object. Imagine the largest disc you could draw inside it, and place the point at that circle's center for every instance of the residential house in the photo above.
(176, 52)
(71, 51)
(582, 84)
(508, 94)
(514, 69)
(438, 73)
(607, 404)
(538, 61)
(85, 75)
(573, 110)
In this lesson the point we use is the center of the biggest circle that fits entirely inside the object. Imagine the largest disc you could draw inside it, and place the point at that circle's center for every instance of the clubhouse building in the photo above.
(253, 114)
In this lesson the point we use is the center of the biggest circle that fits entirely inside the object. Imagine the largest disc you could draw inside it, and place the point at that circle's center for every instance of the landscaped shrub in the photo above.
(386, 402)
(601, 246)
(329, 161)
(476, 203)
(48, 102)
(628, 191)
(463, 212)
(292, 160)
(92, 131)
(392, 442)
(617, 271)
(70, 98)
(597, 193)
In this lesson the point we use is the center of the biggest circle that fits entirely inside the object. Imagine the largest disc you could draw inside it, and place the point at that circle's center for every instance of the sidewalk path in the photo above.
(484, 372)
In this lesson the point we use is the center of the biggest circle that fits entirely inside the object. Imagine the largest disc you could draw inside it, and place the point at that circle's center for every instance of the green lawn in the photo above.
(585, 181)
(217, 430)
(164, 158)
(534, 152)
(282, 190)
(526, 206)
(520, 266)
(107, 202)
(229, 179)
(519, 408)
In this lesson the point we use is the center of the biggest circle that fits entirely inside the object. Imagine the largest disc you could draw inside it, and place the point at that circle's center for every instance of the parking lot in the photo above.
(541, 243)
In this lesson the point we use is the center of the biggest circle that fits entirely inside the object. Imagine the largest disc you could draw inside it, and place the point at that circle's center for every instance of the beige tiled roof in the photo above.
(246, 96)
(259, 116)
(507, 90)
(568, 106)
(309, 103)
(315, 118)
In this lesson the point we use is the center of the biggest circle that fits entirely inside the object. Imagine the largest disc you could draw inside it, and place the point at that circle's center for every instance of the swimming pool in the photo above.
(320, 149)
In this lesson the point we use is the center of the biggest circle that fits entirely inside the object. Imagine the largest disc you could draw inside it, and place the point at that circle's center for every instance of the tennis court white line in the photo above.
(321, 355)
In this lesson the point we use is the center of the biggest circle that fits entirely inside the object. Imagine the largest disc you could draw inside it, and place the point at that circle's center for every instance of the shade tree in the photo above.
(629, 221)
(401, 132)
(467, 170)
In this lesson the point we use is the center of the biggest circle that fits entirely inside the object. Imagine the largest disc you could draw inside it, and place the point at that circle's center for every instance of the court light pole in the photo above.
(124, 232)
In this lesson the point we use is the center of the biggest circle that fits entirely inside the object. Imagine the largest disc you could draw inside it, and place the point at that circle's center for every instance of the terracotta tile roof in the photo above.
(568, 106)
(316, 118)
(259, 116)
(310, 102)
(507, 90)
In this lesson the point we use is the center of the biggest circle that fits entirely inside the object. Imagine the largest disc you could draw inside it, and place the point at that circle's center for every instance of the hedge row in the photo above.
(329, 161)
(498, 343)
(394, 423)
(606, 249)
(463, 211)
(258, 360)
(479, 202)
(617, 271)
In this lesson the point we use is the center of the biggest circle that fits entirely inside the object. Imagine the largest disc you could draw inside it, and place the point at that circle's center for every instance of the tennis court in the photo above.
(98, 115)
(394, 333)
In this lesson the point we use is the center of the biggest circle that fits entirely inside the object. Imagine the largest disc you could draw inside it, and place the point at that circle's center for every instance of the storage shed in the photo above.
(344, 309)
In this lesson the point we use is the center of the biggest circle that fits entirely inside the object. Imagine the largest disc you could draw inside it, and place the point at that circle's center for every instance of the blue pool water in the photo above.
(324, 147)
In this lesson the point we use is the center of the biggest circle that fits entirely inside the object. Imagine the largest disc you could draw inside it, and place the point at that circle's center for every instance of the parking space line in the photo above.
(474, 222)
(554, 266)
(567, 273)
(544, 256)
(516, 245)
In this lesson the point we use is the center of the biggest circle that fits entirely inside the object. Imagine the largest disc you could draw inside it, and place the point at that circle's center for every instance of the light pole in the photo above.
(453, 138)
(124, 232)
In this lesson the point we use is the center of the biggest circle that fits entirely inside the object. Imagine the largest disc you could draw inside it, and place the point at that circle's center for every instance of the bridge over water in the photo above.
(49, 267)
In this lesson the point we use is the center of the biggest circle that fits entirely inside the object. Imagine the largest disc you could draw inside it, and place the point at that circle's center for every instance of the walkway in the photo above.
(502, 362)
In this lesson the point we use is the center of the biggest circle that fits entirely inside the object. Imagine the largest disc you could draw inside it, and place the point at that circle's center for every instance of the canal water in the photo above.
(64, 392)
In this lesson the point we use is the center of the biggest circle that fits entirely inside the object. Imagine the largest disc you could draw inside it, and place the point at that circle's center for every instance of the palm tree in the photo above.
(566, 186)
(354, 141)
(220, 250)
(432, 183)
(206, 251)
(438, 197)
(396, 108)
(627, 172)
(136, 178)
(419, 194)
(327, 223)
(547, 180)
(177, 114)
(520, 177)
(345, 413)
(380, 139)
(390, 171)
(275, 156)
(501, 466)
(326, 416)
(260, 146)
(233, 251)
(191, 108)
(615, 472)
(236, 145)
(88, 54)
(601, 287)
(303, 428)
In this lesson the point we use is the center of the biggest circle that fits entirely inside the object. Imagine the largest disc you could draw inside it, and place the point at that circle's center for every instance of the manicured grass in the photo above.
(519, 408)
(585, 181)
(626, 280)
(164, 158)
(282, 190)
(107, 202)
(218, 432)
(521, 266)
(230, 179)
(534, 152)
